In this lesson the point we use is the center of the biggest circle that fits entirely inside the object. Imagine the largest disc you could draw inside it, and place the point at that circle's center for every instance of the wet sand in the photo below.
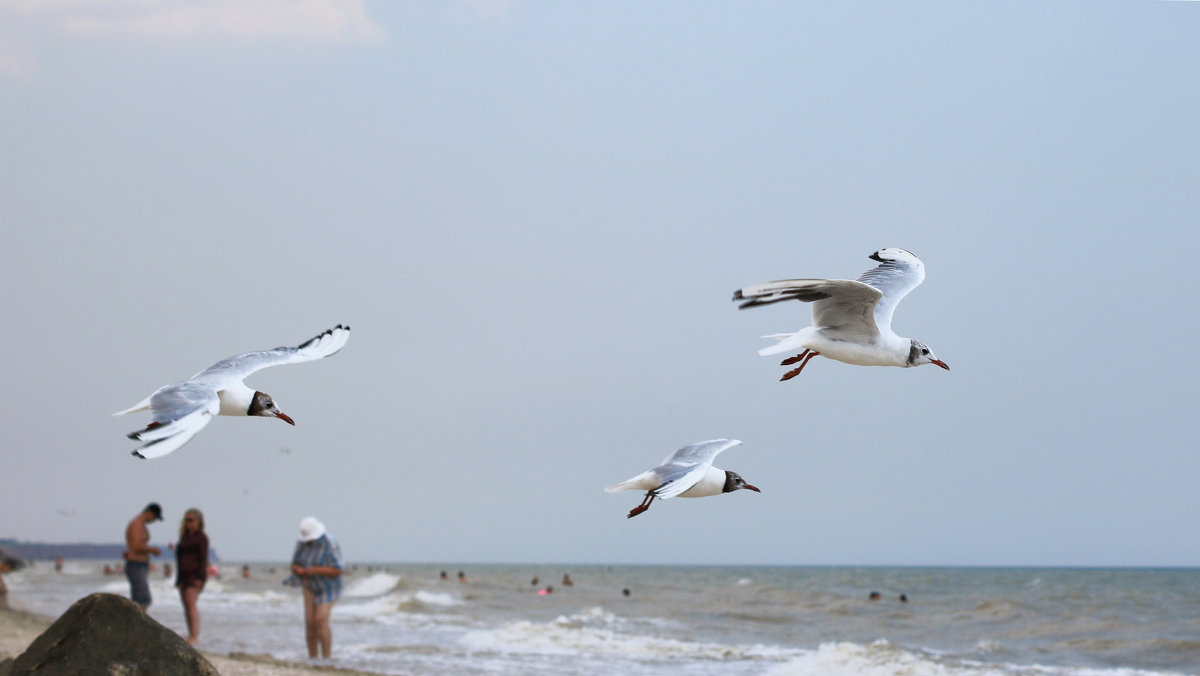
(18, 629)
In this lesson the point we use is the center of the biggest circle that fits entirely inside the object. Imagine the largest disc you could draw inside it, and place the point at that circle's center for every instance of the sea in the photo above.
(671, 620)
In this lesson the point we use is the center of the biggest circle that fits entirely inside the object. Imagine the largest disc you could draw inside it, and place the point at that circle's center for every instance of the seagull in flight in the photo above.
(182, 409)
(852, 320)
(688, 473)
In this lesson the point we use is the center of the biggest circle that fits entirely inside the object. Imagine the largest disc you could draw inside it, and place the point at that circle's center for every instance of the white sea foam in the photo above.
(876, 659)
(266, 597)
(374, 585)
(598, 632)
(437, 598)
(378, 607)
(116, 587)
(882, 659)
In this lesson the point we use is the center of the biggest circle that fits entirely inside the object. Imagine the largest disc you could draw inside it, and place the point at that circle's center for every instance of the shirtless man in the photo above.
(138, 552)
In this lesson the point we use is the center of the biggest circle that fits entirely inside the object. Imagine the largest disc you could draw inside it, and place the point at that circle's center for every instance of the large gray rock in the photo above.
(109, 635)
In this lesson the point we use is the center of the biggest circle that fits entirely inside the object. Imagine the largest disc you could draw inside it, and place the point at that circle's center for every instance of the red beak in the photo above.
(286, 418)
(751, 488)
(941, 363)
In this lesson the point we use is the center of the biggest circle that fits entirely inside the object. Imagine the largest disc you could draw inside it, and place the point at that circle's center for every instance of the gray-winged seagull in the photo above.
(182, 409)
(852, 320)
(688, 473)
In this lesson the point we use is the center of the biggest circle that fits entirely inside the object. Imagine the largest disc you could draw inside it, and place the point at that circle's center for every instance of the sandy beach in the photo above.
(18, 629)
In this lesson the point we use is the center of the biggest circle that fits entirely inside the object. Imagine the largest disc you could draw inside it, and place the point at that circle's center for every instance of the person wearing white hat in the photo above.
(317, 570)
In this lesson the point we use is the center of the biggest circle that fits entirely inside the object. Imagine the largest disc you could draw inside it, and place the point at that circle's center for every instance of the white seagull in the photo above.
(688, 473)
(182, 409)
(852, 321)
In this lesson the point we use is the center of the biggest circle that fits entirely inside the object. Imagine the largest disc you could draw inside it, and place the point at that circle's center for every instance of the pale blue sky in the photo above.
(533, 215)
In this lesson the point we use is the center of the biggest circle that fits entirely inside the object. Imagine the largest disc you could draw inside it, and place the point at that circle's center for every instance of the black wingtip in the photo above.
(137, 455)
(321, 335)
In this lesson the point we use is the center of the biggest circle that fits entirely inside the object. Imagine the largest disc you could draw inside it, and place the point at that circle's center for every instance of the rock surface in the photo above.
(109, 635)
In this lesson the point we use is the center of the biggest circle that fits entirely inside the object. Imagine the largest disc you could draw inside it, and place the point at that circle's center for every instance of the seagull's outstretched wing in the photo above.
(898, 273)
(686, 466)
(179, 412)
(237, 368)
(840, 306)
(807, 290)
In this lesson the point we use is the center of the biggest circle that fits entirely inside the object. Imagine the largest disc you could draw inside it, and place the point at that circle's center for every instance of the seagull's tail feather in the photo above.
(160, 447)
(140, 406)
(788, 342)
(162, 438)
(155, 431)
(646, 481)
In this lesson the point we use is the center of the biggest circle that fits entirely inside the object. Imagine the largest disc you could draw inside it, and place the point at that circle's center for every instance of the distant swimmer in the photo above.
(852, 320)
(546, 591)
(567, 581)
(687, 473)
(182, 409)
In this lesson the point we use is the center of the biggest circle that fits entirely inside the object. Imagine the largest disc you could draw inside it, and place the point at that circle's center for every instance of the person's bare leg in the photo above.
(310, 622)
(324, 632)
(189, 596)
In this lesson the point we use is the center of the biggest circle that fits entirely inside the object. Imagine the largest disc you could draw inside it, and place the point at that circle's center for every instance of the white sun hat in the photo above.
(311, 529)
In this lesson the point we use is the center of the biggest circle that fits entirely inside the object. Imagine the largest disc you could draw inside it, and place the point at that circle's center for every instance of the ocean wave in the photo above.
(883, 659)
(443, 599)
(373, 585)
(381, 607)
(267, 597)
(598, 632)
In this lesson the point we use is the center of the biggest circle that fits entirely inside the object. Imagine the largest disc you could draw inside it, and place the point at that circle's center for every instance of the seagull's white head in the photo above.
(263, 405)
(919, 353)
(734, 481)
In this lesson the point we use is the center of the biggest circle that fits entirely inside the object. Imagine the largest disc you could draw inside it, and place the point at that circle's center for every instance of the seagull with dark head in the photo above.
(182, 409)
(852, 320)
(687, 473)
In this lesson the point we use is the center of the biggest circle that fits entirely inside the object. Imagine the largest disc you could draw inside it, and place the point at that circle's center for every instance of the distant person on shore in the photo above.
(462, 577)
(245, 571)
(191, 562)
(138, 552)
(567, 581)
(3, 587)
(317, 570)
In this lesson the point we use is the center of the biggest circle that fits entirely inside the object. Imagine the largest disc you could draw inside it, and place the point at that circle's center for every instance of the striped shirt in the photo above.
(323, 551)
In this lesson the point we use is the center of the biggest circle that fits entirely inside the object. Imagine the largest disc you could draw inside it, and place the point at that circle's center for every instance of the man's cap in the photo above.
(154, 509)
